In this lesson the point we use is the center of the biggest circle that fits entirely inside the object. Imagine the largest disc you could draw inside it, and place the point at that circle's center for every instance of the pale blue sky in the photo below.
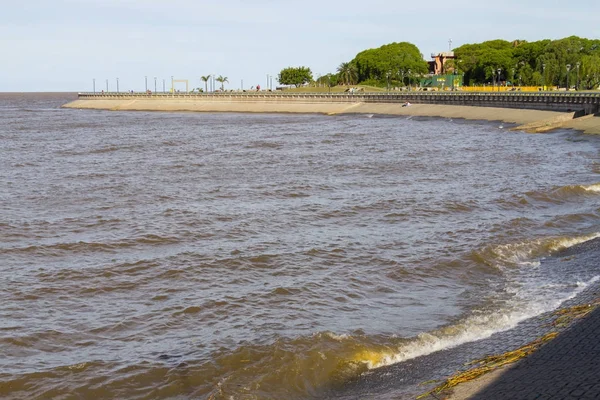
(61, 45)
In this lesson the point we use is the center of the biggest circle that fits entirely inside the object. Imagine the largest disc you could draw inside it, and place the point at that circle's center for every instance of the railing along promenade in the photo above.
(584, 102)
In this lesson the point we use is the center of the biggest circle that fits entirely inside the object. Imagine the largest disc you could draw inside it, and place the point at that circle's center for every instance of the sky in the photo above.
(64, 45)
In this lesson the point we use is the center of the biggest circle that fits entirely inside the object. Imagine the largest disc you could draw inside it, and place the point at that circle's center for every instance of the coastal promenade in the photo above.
(529, 111)
(587, 102)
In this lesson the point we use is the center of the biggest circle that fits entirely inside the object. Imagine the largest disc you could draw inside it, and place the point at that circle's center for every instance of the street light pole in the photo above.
(387, 75)
(568, 69)
(499, 72)
(409, 88)
(155, 85)
(577, 83)
(117, 85)
(146, 79)
(94, 84)
(172, 85)
(544, 76)
(513, 78)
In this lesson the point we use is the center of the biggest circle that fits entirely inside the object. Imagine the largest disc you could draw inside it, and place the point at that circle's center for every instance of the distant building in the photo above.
(438, 65)
(442, 76)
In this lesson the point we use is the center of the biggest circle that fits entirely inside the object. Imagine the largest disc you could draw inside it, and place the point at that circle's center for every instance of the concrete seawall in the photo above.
(563, 112)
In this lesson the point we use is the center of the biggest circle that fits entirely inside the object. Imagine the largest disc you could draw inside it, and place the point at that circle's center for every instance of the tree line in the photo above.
(571, 61)
(574, 61)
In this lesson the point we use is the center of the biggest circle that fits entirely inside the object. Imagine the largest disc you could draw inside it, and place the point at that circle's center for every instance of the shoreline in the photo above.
(534, 121)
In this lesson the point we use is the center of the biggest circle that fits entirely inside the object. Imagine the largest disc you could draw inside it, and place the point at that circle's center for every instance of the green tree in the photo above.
(540, 62)
(347, 73)
(222, 79)
(480, 62)
(589, 73)
(295, 76)
(394, 59)
(205, 80)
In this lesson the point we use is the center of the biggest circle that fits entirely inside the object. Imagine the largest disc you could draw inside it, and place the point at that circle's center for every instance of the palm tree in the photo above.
(222, 79)
(205, 80)
(347, 72)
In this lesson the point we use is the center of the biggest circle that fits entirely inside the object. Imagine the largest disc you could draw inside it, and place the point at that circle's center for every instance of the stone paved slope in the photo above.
(567, 367)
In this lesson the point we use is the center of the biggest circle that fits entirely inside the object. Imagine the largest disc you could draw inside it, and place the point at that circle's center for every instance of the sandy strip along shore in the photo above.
(529, 120)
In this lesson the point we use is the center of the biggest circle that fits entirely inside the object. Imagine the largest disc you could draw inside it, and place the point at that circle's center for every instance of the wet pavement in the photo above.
(567, 367)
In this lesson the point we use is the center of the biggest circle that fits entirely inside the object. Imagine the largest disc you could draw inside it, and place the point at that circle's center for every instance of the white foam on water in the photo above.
(592, 188)
(337, 337)
(533, 264)
(566, 242)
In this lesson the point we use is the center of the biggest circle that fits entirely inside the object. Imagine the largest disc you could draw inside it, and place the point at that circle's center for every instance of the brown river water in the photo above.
(270, 256)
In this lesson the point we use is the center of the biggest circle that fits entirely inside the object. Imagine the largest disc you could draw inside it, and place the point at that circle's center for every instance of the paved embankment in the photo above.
(534, 120)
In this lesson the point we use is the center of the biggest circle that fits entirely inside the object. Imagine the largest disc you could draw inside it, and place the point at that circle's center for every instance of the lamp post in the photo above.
(94, 84)
(499, 72)
(577, 83)
(387, 76)
(568, 69)
(409, 80)
(146, 79)
(513, 78)
(117, 85)
(172, 85)
(544, 76)
(155, 85)
(402, 73)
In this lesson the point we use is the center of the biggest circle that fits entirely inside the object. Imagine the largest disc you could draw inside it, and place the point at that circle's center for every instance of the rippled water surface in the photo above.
(194, 255)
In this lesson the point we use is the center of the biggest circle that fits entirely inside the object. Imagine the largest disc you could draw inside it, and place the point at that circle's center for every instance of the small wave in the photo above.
(264, 145)
(564, 193)
(578, 189)
(282, 291)
(105, 150)
(85, 247)
(592, 188)
(527, 252)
